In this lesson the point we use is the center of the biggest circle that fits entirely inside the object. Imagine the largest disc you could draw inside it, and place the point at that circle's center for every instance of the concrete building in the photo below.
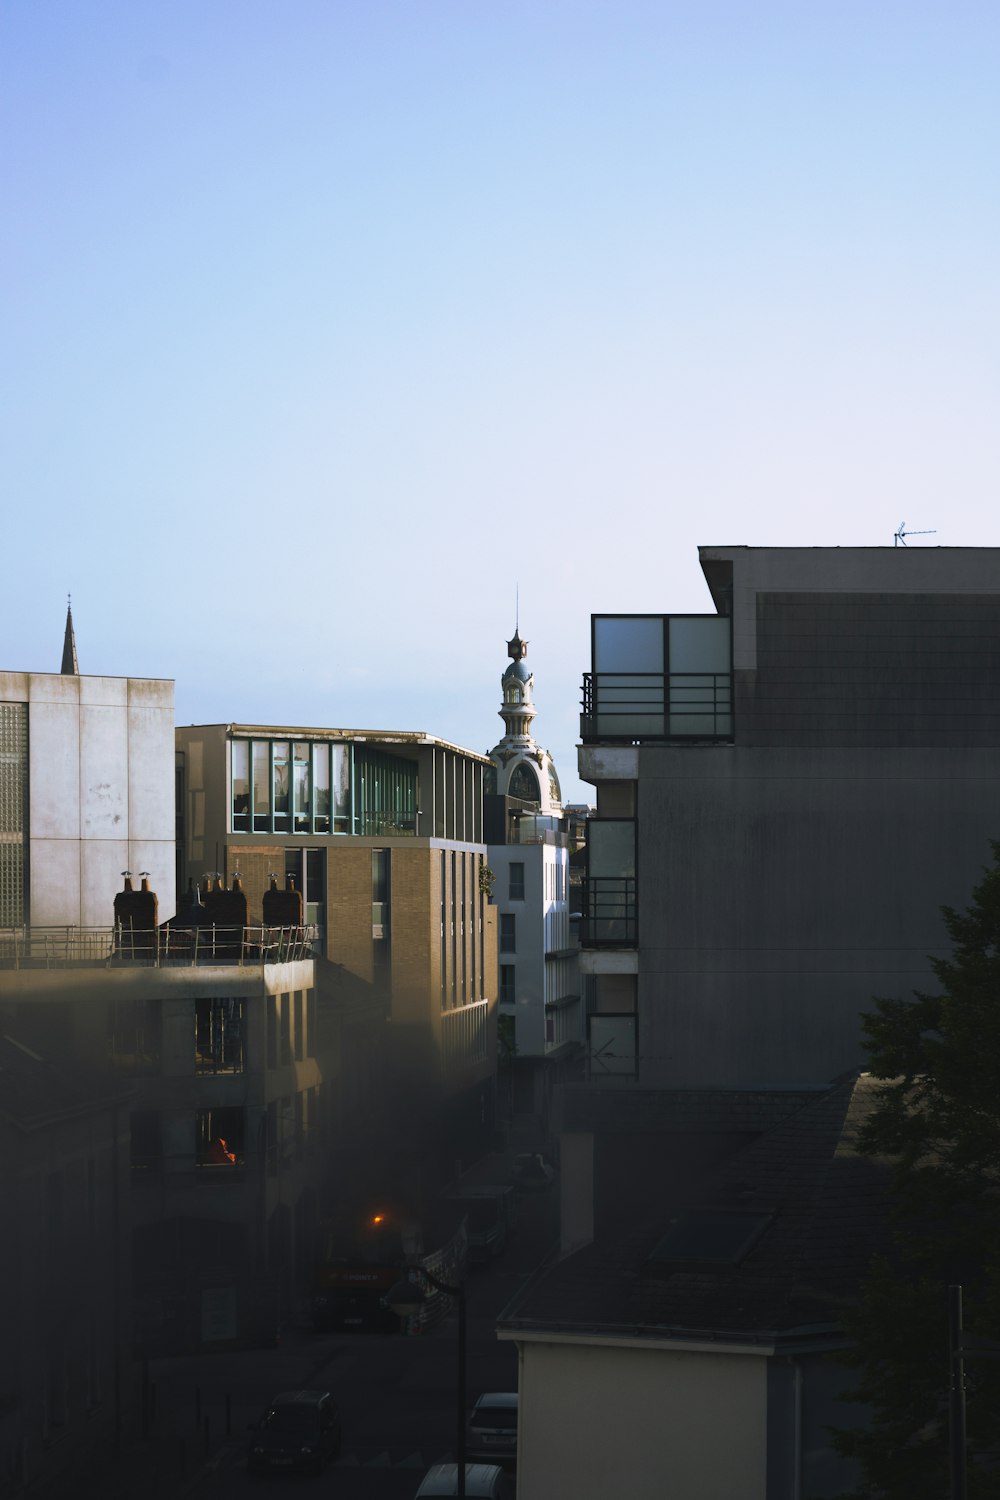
(65, 1310)
(787, 792)
(86, 790)
(382, 832)
(231, 1095)
(540, 1009)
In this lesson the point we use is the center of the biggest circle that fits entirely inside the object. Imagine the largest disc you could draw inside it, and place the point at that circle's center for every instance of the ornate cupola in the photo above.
(517, 710)
(524, 770)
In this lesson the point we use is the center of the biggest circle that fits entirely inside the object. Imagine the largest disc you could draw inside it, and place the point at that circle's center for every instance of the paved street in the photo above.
(397, 1397)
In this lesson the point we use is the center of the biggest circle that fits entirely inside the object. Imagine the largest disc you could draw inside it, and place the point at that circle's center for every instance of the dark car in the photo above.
(299, 1430)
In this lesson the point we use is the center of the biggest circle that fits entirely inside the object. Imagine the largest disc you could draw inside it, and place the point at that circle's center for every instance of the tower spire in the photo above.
(70, 666)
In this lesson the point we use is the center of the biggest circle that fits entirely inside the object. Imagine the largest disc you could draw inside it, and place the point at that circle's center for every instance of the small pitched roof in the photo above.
(70, 666)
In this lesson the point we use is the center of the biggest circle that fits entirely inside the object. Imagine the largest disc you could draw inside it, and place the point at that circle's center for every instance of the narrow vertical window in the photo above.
(444, 927)
(342, 789)
(321, 788)
(301, 799)
(261, 787)
(241, 785)
(281, 794)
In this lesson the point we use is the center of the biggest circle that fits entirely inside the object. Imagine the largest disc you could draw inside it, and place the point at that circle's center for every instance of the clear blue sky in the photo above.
(327, 323)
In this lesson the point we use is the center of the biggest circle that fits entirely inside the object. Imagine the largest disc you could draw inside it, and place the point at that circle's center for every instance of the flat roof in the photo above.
(354, 736)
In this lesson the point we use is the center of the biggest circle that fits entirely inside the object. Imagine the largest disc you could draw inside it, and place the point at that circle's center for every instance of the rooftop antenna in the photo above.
(899, 537)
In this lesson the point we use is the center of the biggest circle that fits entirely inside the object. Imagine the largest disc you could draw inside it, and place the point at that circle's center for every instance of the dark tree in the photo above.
(937, 1119)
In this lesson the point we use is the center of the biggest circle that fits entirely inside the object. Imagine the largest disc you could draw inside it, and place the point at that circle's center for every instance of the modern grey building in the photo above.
(788, 790)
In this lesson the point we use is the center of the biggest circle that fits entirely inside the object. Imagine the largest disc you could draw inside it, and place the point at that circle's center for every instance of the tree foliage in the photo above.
(937, 1117)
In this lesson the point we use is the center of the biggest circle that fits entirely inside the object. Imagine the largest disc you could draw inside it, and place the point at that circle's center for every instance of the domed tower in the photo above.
(523, 769)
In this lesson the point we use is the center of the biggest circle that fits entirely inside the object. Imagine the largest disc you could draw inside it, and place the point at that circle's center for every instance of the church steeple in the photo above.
(70, 666)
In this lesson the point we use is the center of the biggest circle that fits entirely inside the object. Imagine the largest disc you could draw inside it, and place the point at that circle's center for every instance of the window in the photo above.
(218, 1030)
(321, 788)
(281, 799)
(300, 789)
(515, 882)
(220, 1138)
(241, 786)
(507, 973)
(524, 784)
(261, 787)
(508, 933)
(341, 788)
(380, 894)
(135, 1034)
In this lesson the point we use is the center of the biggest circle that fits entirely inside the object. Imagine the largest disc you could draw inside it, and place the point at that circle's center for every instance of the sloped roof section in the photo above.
(777, 1238)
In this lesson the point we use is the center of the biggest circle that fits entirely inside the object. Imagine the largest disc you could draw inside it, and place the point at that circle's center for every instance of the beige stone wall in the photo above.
(645, 1423)
(349, 908)
(415, 934)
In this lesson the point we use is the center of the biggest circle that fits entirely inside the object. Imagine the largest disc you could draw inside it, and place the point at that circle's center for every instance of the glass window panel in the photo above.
(282, 819)
(700, 645)
(321, 788)
(261, 787)
(300, 787)
(628, 643)
(515, 890)
(341, 788)
(241, 785)
(611, 847)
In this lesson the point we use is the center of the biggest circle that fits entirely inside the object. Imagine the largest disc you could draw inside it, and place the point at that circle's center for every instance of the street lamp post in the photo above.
(405, 1299)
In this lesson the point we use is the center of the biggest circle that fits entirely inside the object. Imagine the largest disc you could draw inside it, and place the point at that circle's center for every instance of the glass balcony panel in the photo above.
(700, 644)
(628, 643)
(611, 847)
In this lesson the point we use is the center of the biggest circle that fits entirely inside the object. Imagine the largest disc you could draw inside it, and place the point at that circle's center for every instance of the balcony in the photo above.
(610, 913)
(162, 947)
(658, 677)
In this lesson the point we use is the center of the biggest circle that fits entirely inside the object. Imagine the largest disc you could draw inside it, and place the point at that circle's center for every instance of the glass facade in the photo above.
(309, 787)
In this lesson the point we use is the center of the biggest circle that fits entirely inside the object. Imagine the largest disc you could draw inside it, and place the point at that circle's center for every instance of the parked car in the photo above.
(482, 1482)
(492, 1430)
(530, 1172)
(299, 1430)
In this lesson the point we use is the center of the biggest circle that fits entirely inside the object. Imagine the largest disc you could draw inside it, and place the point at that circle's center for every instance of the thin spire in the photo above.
(70, 666)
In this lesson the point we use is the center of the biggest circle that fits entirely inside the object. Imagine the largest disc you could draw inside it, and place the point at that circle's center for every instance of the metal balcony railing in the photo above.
(634, 706)
(610, 915)
(107, 947)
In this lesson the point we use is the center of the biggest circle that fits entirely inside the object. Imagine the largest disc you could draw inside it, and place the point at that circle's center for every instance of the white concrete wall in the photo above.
(597, 1420)
(101, 792)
